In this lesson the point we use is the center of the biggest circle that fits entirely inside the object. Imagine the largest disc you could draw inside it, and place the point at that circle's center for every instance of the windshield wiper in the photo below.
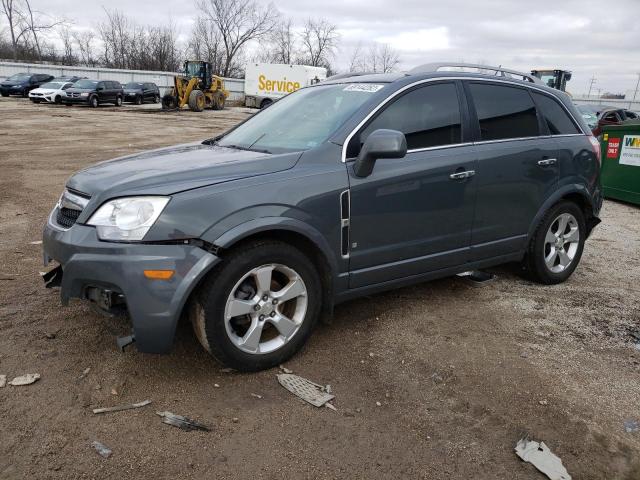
(249, 149)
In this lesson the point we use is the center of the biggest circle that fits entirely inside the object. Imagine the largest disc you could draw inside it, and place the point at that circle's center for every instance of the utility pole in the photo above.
(591, 82)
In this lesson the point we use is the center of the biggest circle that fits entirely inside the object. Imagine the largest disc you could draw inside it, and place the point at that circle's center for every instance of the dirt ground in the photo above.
(460, 373)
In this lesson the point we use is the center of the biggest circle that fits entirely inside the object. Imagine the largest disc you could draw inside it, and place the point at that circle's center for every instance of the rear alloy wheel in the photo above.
(197, 101)
(259, 308)
(118, 101)
(556, 247)
(93, 101)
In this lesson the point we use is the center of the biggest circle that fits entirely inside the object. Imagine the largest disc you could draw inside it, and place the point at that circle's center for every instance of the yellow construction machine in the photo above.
(197, 87)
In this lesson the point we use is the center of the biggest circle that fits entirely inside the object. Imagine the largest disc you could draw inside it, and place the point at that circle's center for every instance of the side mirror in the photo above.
(379, 144)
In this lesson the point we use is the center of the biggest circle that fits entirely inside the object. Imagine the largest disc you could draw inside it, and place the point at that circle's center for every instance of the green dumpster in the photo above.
(620, 177)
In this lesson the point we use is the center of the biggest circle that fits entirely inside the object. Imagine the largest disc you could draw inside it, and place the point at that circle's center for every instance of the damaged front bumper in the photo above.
(100, 271)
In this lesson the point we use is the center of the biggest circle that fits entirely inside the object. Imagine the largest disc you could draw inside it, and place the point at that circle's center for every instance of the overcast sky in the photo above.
(591, 38)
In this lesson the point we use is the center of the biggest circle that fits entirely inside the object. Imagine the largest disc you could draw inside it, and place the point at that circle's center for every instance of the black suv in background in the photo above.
(23, 83)
(139, 92)
(95, 92)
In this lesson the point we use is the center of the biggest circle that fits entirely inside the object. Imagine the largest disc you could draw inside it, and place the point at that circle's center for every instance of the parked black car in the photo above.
(352, 186)
(23, 83)
(95, 92)
(140, 92)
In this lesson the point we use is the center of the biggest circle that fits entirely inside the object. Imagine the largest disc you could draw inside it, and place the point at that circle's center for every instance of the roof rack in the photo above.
(484, 69)
(347, 75)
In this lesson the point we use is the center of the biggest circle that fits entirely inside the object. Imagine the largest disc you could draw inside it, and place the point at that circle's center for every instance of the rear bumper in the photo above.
(153, 305)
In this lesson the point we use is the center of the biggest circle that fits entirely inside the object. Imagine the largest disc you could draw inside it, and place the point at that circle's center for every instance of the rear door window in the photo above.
(504, 112)
(428, 116)
(556, 117)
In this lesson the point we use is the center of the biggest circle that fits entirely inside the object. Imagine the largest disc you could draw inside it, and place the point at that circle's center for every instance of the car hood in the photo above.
(174, 169)
(11, 84)
(43, 90)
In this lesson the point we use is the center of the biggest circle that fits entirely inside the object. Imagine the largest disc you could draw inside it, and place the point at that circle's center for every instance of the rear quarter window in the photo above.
(504, 112)
(554, 115)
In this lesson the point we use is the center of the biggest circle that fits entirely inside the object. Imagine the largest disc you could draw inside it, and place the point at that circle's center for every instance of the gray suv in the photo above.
(356, 185)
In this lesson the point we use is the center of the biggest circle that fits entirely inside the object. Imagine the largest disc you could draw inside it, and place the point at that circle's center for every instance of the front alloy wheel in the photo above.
(265, 309)
(259, 306)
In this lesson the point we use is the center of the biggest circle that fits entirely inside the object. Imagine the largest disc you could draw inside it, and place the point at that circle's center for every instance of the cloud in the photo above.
(422, 40)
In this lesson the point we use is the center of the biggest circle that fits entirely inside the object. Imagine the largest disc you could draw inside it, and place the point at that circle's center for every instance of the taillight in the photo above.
(595, 144)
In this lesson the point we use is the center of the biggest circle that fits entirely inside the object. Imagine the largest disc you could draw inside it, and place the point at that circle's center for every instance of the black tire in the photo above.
(93, 102)
(196, 101)
(208, 304)
(118, 101)
(218, 101)
(267, 102)
(534, 263)
(4, 94)
(57, 99)
(68, 104)
(169, 102)
(138, 100)
(156, 98)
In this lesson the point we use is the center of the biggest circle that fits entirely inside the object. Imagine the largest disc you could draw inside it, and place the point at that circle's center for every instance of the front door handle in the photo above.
(462, 175)
(547, 161)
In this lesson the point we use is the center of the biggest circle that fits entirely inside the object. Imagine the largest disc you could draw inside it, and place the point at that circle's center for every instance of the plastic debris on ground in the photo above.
(631, 426)
(285, 369)
(310, 392)
(182, 422)
(102, 449)
(119, 408)
(255, 395)
(539, 455)
(477, 278)
(27, 379)
(3, 380)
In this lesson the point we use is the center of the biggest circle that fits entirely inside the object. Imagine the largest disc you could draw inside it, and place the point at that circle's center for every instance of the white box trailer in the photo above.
(265, 83)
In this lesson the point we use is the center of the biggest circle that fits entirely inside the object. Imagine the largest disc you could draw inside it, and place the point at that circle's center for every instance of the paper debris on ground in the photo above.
(3, 380)
(539, 455)
(310, 392)
(285, 369)
(181, 422)
(255, 395)
(630, 425)
(27, 379)
(119, 408)
(102, 449)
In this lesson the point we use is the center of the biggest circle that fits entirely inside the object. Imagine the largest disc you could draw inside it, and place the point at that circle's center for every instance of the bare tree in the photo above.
(379, 58)
(238, 21)
(319, 42)
(283, 43)
(84, 41)
(68, 55)
(206, 44)
(17, 27)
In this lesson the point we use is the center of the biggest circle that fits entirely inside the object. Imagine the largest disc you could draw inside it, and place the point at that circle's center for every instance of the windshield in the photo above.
(55, 85)
(85, 84)
(133, 85)
(302, 119)
(19, 77)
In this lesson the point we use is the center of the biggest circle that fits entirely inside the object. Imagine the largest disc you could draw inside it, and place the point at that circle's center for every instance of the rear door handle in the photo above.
(547, 161)
(462, 175)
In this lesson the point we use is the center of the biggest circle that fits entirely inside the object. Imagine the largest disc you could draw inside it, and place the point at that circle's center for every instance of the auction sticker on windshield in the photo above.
(363, 87)
(630, 154)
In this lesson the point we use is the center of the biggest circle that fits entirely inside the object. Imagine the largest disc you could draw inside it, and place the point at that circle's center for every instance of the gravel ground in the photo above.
(460, 373)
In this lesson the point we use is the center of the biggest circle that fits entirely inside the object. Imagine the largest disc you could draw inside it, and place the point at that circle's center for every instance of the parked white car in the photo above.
(52, 92)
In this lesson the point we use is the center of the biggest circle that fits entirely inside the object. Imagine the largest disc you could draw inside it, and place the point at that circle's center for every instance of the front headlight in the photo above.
(127, 219)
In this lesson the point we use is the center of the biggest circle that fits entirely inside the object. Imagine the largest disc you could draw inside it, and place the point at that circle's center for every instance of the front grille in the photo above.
(67, 217)
(73, 94)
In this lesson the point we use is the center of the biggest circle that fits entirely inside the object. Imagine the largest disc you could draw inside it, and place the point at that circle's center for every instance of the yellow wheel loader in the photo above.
(198, 88)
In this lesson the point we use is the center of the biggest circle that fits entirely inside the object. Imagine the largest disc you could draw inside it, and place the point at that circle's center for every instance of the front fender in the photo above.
(266, 224)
